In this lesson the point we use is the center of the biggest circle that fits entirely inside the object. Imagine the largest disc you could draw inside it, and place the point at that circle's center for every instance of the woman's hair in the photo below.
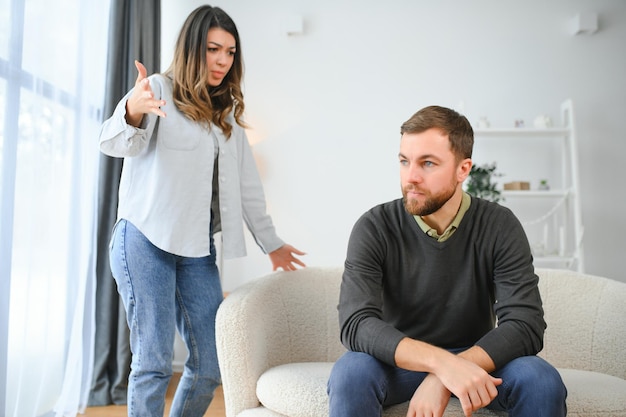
(191, 92)
(449, 122)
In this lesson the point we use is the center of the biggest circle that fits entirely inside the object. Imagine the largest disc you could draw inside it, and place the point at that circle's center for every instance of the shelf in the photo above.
(555, 259)
(536, 193)
(551, 218)
(522, 131)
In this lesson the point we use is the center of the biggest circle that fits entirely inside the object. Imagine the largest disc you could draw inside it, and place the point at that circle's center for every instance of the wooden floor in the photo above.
(216, 409)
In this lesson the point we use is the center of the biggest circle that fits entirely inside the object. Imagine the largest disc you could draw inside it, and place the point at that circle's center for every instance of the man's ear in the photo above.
(463, 171)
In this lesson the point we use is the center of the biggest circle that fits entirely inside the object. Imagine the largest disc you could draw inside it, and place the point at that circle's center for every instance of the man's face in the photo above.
(429, 172)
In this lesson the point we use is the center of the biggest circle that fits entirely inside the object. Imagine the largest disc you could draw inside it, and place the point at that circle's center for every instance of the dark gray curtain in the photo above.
(134, 33)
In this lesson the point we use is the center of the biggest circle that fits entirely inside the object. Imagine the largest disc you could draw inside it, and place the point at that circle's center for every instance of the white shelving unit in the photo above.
(552, 218)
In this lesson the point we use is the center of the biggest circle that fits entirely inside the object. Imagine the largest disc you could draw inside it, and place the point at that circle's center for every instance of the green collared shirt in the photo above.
(465, 204)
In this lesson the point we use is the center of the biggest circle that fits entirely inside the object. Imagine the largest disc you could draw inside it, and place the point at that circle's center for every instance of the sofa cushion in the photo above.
(299, 390)
(592, 394)
(295, 389)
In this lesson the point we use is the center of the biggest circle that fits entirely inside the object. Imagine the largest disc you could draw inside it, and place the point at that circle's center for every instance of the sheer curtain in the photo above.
(52, 64)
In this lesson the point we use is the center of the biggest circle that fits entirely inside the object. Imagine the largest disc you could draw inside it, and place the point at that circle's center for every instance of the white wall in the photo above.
(326, 106)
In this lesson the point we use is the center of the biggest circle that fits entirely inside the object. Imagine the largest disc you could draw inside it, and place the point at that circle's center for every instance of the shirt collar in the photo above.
(465, 204)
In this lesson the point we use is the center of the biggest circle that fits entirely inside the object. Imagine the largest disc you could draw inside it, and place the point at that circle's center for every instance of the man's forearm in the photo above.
(415, 355)
(478, 355)
(418, 356)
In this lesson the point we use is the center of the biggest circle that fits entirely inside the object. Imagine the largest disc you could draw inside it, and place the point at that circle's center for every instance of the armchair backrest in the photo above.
(281, 318)
(586, 317)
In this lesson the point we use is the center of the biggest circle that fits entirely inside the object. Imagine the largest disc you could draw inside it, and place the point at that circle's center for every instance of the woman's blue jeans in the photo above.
(163, 292)
(361, 385)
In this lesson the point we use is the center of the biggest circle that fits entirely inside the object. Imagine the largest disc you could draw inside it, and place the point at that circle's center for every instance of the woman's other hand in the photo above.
(284, 258)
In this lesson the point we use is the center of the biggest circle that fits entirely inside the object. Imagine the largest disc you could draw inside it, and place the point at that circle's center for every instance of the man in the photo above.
(426, 277)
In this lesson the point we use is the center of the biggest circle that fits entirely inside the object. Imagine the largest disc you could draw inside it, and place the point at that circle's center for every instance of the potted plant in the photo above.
(480, 184)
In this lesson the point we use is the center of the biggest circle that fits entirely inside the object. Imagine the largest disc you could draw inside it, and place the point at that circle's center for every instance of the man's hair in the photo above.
(192, 94)
(449, 122)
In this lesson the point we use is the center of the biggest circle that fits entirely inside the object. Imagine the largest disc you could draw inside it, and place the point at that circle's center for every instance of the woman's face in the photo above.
(220, 55)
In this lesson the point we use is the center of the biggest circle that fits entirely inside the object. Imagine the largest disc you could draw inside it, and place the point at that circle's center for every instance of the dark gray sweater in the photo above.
(400, 282)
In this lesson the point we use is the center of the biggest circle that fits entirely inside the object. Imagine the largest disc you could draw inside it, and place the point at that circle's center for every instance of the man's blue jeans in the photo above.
(162, 292)
(361, 386)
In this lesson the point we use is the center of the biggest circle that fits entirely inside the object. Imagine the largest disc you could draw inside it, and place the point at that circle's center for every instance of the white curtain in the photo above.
(52, 61)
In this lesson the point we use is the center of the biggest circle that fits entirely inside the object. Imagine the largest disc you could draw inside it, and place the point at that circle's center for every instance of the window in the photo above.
(52, 62)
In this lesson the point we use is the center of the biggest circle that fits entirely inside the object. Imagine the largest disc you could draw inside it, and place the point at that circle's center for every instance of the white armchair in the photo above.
(278, 337)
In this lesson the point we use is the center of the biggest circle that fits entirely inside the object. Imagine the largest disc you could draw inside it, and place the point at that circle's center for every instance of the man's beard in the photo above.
(431, 204)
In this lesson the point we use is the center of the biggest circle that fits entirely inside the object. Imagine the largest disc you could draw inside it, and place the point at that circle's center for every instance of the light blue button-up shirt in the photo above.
(167, 180)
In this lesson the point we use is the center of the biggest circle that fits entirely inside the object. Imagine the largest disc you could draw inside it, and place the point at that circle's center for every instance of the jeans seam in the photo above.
(193, 348)
(122, 254)
(131, 302)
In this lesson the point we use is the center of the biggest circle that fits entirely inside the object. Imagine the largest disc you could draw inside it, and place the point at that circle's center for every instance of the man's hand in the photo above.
(470, 383)
(430, 399)
(465, 375)
(142, 100)
(283, 258)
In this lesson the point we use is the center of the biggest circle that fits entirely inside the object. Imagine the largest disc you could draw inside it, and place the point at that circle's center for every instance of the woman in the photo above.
(188, 173)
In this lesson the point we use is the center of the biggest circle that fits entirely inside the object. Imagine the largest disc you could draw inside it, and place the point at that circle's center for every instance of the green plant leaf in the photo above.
(480, 184)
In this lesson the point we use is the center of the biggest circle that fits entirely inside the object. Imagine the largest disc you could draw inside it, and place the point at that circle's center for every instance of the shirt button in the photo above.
(224, 209)
(223, 178)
